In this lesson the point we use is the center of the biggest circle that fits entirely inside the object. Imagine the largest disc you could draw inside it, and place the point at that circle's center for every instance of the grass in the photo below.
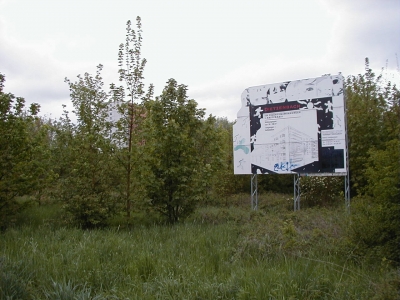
(219, 253)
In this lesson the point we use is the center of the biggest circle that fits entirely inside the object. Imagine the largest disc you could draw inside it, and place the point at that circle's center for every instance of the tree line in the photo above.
(162, 154)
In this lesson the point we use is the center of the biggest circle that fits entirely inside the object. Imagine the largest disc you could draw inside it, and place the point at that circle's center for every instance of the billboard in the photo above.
(292, 127)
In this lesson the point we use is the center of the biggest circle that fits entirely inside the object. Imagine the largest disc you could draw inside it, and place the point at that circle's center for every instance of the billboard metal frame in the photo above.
(347, 177)
(254, 192)
(293, 127)
(296, 192)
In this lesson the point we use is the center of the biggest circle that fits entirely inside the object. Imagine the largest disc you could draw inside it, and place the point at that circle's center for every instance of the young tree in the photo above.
(374, 133)
(17, 153)
(90, 188)
(180, 152)
(40, 133)
(224, 182)
(366, 105)
(61, 144)
(128, 101)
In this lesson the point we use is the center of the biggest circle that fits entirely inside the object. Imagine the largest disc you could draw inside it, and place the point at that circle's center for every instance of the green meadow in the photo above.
(220, 252)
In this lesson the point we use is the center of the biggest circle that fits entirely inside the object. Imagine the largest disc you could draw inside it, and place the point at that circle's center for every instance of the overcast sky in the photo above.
(217, 48)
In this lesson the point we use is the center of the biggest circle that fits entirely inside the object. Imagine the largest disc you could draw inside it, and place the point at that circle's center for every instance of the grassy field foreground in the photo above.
(219, 253)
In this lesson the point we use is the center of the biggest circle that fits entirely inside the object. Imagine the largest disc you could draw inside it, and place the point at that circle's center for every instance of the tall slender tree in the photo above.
(128, 100)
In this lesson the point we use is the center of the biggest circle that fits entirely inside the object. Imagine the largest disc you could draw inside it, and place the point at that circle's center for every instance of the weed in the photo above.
(219, 253)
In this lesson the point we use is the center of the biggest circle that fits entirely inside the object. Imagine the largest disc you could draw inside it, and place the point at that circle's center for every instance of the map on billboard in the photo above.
(292, 127)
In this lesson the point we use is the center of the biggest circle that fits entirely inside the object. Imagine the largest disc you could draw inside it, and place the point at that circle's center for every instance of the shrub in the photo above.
(375, 229)
(320, 191)
(89, 211)
(375, 223)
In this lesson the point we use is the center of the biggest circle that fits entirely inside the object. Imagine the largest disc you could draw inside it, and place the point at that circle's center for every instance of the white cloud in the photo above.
(360, 29)
(365, 28)
(222, 97)
(214, 48)
(33, 72)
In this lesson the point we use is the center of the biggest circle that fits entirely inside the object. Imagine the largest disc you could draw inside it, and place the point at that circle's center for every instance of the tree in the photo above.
(89, 190)
(224, 182)
(40, 133)
(180, 152)
(17, 151)
(366, 105)
(61, 144)
(374, 133)
(130, 108)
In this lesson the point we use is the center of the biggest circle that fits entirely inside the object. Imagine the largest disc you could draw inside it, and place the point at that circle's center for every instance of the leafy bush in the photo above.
(89, 211)
(279, 183)
(18, 153)
(375, 228)
(182, 153)
(320, 191)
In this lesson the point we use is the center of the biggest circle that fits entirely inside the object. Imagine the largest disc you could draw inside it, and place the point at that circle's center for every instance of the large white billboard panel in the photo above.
(292, 127)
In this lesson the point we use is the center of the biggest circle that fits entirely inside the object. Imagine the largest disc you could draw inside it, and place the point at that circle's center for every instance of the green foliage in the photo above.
(245, 255)
(127, 100)
(224, 183)
(383, 173)
(279, 183)
(366, 105)
(88, 190)
(68, 290)
(219, 215)
(181, 152)
(61, 145)
(46, 214)
(166, 153)
(130, 62)
(320, 191)
(376, 223)
(41, 168)
(146, 267)
(375, 229)
(374, 127)
(19, 151)
(12, 287)
(91, 210)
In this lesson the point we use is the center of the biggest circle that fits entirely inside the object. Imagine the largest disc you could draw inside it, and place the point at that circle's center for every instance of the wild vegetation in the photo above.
(219, 252)
(147, 206)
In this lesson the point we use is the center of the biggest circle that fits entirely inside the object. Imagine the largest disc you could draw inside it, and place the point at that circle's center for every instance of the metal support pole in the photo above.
(254, 192)
(347, 177)
(296, 188)
(347, 192)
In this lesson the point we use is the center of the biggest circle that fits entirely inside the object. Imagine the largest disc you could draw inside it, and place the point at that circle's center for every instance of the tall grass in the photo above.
(220, 253)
